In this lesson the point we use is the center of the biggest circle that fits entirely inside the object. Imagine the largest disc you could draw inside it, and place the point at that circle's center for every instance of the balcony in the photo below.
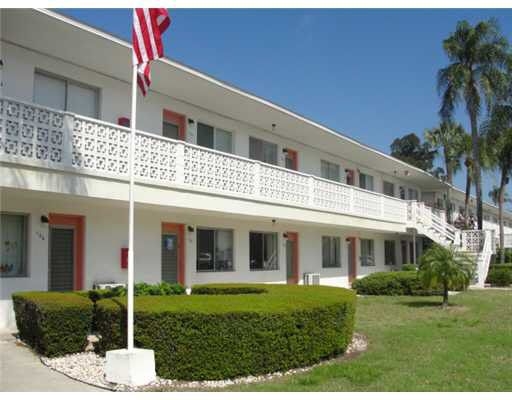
(41, 137)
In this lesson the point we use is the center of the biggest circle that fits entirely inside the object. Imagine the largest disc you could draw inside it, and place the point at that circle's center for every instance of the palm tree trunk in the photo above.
(449, 179)
(501, 201)
(468, 193)
(445, 294)
(477, 173)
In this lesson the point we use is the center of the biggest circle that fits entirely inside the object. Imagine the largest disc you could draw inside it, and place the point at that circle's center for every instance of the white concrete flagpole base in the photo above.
(133, 367)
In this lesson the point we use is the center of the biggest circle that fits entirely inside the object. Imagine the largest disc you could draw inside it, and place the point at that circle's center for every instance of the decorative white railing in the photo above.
(479, 243)
(42, 137)
(424, 218)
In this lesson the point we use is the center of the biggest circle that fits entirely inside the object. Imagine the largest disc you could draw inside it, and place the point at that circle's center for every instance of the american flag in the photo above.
(148, 26)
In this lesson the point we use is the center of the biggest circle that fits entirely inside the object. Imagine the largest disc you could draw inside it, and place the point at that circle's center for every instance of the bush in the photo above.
(221, 289)
(499, 277)
(409, 267)
(139, 289)
(53, 324)
(508, 256)
(224, 336)
(400, 283)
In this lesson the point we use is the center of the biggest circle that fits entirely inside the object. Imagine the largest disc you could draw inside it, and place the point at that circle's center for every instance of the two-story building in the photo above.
(229, 186)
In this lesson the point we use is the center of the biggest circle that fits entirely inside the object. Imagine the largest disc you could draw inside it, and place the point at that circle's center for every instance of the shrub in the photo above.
(227, 289)
(508, 256)
(53, 324)
(139, 289)
(224, 336)
(409, 267)
(399, 283)
(500, 277)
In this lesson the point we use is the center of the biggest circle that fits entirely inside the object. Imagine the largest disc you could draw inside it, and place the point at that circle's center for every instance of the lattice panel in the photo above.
(31, 132)
(331, 196)
(155, 158)
(278, 184)
(208, 169)
(99, 147)
(473, 241)
(367, 204)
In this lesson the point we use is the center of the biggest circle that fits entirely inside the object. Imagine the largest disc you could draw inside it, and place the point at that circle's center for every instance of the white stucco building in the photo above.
(230, 187)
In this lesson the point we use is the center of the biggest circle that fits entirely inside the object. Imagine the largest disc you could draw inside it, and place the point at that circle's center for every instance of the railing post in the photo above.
(67, 139)
(351, 205)
(257, 180)
(311, 191)
(180, 163)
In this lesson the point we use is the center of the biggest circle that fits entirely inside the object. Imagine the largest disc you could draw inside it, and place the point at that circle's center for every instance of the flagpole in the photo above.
(131, 211)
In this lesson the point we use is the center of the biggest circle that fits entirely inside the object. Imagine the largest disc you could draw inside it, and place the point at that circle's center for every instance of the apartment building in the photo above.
(229, 186)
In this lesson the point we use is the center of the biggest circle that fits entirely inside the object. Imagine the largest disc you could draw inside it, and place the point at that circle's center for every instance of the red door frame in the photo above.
(177, 119)
(179, 230)
(78, 223)
(352, 267)
(294, 237)
(350, 177)
(293, 155)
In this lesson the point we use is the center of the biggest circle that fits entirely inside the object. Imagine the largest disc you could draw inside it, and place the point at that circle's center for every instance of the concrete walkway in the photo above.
(22, 371)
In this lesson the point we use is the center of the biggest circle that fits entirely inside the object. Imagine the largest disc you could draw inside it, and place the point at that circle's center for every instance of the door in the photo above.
(352, 259)
(290, 160)
(292, 258)
(173, 253)
(170, 257)
(62, 258)
(173, 125)
(66, 246)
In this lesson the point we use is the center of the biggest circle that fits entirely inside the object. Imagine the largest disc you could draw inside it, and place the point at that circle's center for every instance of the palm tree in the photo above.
(442, 266)
(498, 130)
(478, 55)
(449, 137)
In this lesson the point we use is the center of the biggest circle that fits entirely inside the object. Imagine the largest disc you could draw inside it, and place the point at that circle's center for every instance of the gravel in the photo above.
(88, 367)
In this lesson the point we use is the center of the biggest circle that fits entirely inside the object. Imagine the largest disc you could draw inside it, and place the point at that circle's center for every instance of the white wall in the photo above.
(106, 233)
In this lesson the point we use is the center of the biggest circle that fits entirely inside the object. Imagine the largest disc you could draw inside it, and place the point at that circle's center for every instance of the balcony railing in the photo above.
(42, 137)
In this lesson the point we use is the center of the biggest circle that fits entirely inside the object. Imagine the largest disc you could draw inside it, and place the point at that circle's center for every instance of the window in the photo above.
(331, 252)
(13, 259)
(413, 195)
(170, 130)
(330, 171)
(366, 181)
(402, 192)
(214, 138)
(367, 253)
(263, 251)
(263, 151)
(389, 189)
(67, 95)
(214, 249)
(389, 252)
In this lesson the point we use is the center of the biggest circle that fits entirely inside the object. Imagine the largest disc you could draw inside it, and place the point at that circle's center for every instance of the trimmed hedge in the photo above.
(499, 275)
(53, 324)
(221, 289)
(397, 283)
(409, 267)
(224, 336)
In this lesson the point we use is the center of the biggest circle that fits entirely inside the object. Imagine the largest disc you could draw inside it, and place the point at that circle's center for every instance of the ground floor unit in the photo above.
(63, 242)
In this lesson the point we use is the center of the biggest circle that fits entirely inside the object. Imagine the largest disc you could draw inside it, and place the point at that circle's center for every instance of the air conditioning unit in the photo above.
(311, 278)
(108, 285)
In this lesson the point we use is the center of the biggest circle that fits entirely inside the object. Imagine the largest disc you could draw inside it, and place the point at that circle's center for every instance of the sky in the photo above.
(369, 74)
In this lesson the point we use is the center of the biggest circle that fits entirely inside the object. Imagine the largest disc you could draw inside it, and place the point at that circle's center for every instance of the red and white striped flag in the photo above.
(148, 26)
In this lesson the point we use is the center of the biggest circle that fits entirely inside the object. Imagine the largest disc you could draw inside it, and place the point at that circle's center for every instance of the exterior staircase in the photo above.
(477, 244)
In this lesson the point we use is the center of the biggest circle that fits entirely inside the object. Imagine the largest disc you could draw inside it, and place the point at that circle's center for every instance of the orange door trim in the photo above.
(294, 237)
(176, 119)
(78, 223)
(352, 268)
(178, 229)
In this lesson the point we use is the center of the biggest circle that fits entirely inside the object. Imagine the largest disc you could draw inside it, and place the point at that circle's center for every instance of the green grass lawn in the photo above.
(414, 345)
